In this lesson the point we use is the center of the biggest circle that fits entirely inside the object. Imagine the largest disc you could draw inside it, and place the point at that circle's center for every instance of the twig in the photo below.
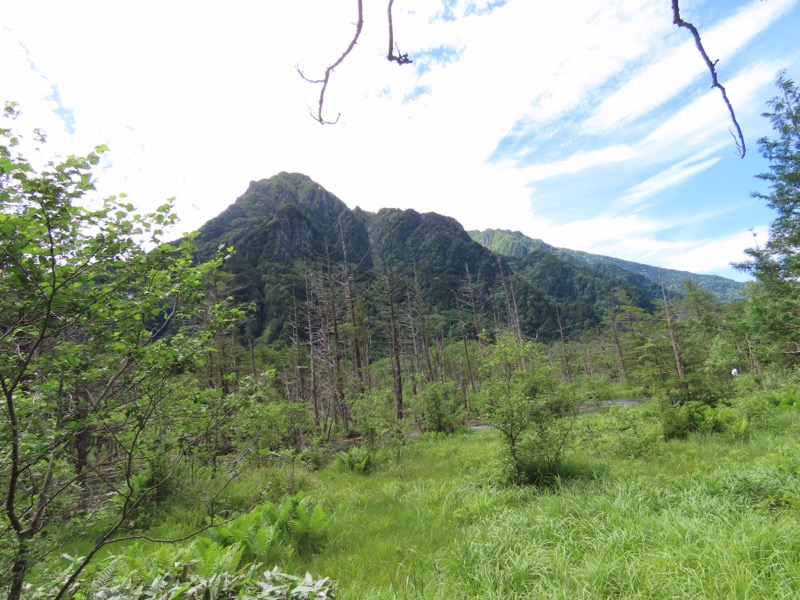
(677, 20)
(324, 81)
(187, 536)
(400, 59)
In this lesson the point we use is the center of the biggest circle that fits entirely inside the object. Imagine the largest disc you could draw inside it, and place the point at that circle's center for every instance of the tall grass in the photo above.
(710, 516)
(706, 517)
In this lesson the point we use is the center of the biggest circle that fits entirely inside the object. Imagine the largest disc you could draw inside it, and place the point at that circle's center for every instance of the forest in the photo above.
(301, 400)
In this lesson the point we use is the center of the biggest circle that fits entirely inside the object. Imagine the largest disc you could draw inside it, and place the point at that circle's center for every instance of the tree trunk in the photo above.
(351, 309)
(675, 342)
(623, 373)
(564, 355)
(466, 356)
(338, 378)
(312, 359)
(394, 346)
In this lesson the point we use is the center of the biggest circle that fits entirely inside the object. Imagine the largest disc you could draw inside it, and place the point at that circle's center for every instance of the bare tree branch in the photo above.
(324, 81)
(403, 59)
(400, 59)
(677, 20)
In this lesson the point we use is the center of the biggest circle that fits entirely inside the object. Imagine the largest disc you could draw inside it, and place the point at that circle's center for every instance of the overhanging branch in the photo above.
(324, 81)
(677, 20)
(400, 59)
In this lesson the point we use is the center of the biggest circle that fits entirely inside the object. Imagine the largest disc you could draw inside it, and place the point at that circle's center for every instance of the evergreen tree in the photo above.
(776, 264)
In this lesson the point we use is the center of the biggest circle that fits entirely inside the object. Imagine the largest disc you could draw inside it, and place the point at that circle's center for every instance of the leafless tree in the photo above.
(394, 341)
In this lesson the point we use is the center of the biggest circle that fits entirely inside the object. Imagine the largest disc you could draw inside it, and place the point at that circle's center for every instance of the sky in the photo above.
(589, 125)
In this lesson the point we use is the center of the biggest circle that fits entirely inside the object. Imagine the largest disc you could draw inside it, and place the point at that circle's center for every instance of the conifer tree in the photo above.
(775, 305)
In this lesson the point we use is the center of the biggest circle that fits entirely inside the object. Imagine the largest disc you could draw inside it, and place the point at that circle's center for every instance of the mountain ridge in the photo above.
(516, 244)
(292, 238)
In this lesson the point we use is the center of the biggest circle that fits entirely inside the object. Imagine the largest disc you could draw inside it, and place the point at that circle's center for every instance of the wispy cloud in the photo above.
(604, 107)
(581, 161)
(711, 255)
(677, 69)
(669, 177)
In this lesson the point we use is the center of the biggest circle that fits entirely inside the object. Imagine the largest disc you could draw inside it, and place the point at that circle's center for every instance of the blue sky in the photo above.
(590, 125)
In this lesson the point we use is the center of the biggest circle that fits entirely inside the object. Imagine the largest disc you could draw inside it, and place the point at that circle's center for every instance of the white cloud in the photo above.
(671, 176)
(581, 161)
(678, 68)
(195, 100)
(711, 255)
(706, 119)
(635, 237)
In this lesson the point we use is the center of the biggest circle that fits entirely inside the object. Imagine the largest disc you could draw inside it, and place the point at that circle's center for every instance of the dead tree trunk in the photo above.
(333, 320)
(394, 345)
(312, 350)
(349, 294)
(675, 342)
(564, 355)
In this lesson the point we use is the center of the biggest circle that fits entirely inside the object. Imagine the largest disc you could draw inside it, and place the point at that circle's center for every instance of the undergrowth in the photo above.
(628, 514)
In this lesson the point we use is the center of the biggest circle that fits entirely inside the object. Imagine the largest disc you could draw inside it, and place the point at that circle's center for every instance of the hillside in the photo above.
(517, 245)
(293, 238)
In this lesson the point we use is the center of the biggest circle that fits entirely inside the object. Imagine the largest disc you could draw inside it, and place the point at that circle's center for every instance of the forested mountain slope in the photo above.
(294, 241)
(515, 244)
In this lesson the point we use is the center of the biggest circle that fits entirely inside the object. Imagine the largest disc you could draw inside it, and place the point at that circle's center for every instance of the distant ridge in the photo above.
(515, 244)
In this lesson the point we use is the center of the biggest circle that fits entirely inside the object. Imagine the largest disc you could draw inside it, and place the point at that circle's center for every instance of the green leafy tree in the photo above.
(524, 403)
(88, 292)
(775, 303)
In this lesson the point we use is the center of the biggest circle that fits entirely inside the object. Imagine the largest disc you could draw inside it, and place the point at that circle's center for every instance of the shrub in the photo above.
(786, 398)
(774, 484)
(537, 472)
(755, 408)
(442, 408)
(681, 420)
(621, 431)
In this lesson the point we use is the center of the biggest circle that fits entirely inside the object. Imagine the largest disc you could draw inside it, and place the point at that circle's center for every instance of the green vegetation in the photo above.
(517, 245)
(776, 265)
(714, 515)
(202, 420)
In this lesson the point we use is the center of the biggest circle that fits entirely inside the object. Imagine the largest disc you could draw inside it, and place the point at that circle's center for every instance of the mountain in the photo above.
(517, 245)
(298, 247)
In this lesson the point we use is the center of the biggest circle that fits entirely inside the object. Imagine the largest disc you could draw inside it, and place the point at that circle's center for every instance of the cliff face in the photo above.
(286, 217)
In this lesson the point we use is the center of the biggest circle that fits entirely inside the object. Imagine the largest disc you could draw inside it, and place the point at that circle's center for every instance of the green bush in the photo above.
(621, 431)
(680, 420)
(152, 487)
(314, 458)
(786, 398)
(771, 485)
(442, 408)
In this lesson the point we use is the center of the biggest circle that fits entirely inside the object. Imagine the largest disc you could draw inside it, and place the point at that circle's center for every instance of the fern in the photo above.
(356, 459)
(264, 544)
(215, 558)
(102, 577)
(309, 529)
(270, 533)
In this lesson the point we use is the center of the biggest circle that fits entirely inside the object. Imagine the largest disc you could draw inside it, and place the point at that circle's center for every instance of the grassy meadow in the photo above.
(628, 515)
